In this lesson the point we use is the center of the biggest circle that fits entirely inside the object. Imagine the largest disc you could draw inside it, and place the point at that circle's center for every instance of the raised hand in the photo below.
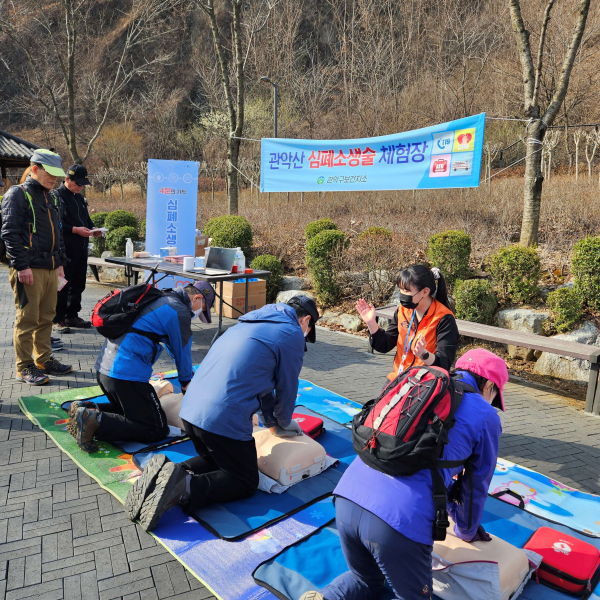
(366, 311)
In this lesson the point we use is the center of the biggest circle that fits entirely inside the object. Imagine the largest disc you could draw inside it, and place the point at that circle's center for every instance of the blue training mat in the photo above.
(325, 403)
(235, 520)
(317, 560)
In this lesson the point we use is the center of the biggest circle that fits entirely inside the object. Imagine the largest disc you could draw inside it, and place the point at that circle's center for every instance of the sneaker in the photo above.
(54, 340)
(312, 596)
(85, 424)
(32, 375)
(78, 322)
(57, 346)
(61, 327)
(54, 367)
(143, 486)
(169, 491)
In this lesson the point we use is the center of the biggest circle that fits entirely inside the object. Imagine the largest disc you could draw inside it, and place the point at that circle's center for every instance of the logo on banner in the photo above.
(462, 164)
(442, 142)
(464, 140)
(321, 180)
(440, 165)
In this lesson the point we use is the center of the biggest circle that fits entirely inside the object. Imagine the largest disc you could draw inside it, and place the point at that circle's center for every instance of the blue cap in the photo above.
(209, 297)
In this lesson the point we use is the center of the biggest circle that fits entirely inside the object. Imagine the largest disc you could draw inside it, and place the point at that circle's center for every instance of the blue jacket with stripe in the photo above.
(131, 356)
(254, 366)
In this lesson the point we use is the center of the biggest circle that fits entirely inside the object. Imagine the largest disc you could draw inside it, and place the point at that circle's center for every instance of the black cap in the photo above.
(78, 173)
(308, 304)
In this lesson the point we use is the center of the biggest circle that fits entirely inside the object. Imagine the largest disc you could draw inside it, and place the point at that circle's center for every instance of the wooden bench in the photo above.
(536, 342)
(131, 272)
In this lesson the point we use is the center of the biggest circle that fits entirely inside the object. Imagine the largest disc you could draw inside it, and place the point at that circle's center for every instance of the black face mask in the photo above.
(407, 301)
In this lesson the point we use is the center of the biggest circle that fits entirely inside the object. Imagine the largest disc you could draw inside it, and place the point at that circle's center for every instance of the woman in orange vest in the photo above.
(423, 329)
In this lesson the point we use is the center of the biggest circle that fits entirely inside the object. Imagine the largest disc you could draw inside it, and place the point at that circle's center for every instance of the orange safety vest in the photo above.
(426, 328)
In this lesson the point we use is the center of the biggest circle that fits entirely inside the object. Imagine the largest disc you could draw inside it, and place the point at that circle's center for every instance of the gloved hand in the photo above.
(292, 430)
(481, 535)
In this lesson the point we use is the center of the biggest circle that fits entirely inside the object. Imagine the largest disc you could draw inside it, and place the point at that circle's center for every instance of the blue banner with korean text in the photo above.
(442, 156)
(171, 206)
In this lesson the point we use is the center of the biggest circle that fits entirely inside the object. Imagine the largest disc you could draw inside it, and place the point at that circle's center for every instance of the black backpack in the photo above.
(406, 428)
(115, 314)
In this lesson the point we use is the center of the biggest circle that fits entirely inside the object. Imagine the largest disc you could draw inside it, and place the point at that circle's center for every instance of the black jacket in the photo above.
(74, 214)
(43, 248)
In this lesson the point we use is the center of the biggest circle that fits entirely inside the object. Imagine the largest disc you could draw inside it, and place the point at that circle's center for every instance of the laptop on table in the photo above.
(219, 261)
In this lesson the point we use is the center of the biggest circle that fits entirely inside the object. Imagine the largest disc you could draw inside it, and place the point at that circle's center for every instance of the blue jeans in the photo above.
(375, 552)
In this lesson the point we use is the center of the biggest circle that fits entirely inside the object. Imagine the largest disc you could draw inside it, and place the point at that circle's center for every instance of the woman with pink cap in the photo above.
(385, 523)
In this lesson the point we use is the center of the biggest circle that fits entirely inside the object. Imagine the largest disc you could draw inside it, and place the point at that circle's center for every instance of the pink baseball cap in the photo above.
(486, 364)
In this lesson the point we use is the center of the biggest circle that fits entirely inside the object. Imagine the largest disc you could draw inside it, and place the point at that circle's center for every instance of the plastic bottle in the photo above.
(129, 248)
(241, 260)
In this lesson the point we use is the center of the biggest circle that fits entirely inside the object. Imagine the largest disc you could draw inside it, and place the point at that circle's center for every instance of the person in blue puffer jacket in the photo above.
(253, 367)
(385, 523)
(124, 367)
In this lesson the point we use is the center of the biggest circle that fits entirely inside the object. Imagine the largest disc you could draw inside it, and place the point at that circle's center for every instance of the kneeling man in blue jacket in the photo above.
(254, 367)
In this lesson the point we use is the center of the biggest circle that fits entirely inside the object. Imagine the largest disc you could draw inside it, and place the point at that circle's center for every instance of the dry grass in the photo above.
(492, 217)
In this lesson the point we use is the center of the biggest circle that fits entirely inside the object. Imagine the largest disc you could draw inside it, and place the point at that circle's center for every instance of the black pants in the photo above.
(135, 414)
(224, 470)
(68, 303)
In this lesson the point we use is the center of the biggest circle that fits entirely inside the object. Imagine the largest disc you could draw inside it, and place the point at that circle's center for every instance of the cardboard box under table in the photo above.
(234, 297)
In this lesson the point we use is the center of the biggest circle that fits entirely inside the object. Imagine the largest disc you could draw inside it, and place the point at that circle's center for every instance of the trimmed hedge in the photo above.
(515, 272)
(585, 265)
(116, 239)
(321, 253)
(565, 308)
(475, 301)
(98, 219)
(316, 227)
(375, 232)
(120, 218)
(268, 262)
(230, 231)
(450, 251)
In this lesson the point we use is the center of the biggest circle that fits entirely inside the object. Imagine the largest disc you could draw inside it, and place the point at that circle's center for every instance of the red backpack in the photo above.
(405, 430)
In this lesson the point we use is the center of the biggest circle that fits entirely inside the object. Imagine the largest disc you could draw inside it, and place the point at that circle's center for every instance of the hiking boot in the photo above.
(60, 327)
(169, 491)
(85, 424)
(143, 486)
(77, 404)
(312, 596)
(54, 367)
(78, 322)
(32, 375)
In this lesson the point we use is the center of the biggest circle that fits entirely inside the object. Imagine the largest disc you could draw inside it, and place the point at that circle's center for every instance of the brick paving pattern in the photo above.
(62, 536)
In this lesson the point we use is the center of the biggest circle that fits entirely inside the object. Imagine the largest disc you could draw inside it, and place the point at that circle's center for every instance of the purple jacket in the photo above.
(406, 503)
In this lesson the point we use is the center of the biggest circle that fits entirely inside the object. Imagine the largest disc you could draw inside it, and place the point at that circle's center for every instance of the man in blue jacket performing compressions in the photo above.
(124, 368)
(253, 367)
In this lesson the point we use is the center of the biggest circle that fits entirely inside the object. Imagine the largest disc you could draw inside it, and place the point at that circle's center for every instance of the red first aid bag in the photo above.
(312, 426)
(569, 564)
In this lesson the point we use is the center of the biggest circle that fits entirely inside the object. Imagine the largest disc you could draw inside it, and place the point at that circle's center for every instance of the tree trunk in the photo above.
(233, 153)
(534, 179)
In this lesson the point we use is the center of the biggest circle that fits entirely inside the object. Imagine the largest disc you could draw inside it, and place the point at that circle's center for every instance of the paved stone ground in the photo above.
(62, 536)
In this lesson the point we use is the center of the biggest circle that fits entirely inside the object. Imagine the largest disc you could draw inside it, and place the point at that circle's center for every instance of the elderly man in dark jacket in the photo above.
(77, 229)
(32, 234)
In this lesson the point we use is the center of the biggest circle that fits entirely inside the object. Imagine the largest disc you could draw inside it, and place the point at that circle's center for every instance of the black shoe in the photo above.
(85, 424)
(143, 486)
(32, 375)
(57, 346)
(169, 491)
(54, 367)
(78, 322)
(60, 327)
(54, 340)
(77, 404)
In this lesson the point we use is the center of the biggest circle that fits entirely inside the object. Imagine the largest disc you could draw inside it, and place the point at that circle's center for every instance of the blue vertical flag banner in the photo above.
(442, 156)
(171, 205)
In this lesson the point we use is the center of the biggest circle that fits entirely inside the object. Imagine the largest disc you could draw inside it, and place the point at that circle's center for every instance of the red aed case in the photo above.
(568, 564)
(312, 426)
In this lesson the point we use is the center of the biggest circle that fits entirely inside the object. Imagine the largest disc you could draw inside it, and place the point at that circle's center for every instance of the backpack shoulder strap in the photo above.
(28, 198)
